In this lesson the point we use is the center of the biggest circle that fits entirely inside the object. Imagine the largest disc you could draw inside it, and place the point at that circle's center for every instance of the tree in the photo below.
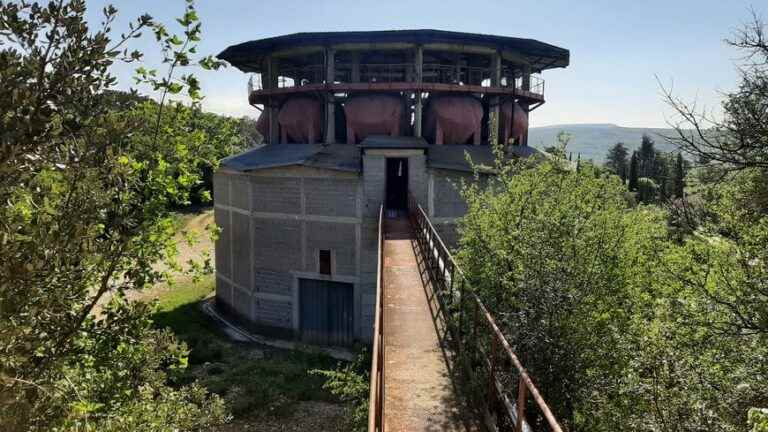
(738, 197)
(250, 132)
(625, 324)
(738, 139)
(617, 161)
(679, 185)
(561, 143)
(555, 254)
(87, 184)
(633, 172)
(647, 157)
(615, 321)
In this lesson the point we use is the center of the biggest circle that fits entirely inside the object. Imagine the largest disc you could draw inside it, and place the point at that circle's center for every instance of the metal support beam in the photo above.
(493, 107)
(355, 56)
(272, 109)
(527, 110)
(330, 105)
(418, 60)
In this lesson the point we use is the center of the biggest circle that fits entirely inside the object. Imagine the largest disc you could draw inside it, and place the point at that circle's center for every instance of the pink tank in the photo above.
(513, 126)
(453, 120)
(300, 120)
(262, 125)
(373, 115)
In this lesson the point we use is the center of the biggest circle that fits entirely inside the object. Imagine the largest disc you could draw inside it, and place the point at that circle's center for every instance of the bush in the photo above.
(351, 384)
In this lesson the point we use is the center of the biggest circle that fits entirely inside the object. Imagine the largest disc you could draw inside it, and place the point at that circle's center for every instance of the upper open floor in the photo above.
(402, 61)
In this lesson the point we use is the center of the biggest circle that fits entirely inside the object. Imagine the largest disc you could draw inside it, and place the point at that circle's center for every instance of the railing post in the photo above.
(492, 370)
(522, 394)
(461, 314)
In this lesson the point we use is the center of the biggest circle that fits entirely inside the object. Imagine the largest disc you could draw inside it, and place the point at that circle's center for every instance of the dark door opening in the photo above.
(326, 312)
(397, 184)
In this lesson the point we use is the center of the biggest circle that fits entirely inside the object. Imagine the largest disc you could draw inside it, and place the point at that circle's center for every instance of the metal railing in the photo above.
(497, 382)
(432, 73)
(451, 74)
(376, 399)
(536, 82)
(296, 77)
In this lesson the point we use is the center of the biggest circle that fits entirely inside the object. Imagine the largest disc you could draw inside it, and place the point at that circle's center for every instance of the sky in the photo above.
(620, 50)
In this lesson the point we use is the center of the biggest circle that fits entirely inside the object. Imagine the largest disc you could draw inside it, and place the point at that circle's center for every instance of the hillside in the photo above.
(594, 140)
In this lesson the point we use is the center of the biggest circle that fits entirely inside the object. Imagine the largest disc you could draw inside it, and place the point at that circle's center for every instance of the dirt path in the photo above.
(194, 223)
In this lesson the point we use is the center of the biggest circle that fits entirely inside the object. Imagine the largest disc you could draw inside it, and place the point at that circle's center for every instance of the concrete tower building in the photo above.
(354, 120)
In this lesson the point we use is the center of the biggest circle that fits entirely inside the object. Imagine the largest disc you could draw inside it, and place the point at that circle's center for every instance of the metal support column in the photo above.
(271, 107)
(527, 88)
(493, 107)
(418, 60)
(330, 105)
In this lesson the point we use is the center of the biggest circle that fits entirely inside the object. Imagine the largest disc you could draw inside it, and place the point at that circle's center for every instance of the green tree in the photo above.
(617, 161)
(738, 139)
(548, 250)
(647, 155)
(679, 178)
(87, 183)
(351, 384)
(634, 172)
(735, 149)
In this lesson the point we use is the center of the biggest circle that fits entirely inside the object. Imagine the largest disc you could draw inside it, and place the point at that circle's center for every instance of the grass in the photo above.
(255, 381)
(179, 308)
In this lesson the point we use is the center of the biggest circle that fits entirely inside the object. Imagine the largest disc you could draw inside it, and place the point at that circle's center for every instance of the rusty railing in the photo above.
(497, 383)
(432, 73)
(376, 399)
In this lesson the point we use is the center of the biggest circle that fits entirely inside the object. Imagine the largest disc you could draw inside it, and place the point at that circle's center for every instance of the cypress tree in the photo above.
(616, 160)
(679, 177)
(647, 156)
(633, 172)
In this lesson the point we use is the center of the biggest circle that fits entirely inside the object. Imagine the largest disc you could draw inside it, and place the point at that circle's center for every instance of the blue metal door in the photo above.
(326, 312)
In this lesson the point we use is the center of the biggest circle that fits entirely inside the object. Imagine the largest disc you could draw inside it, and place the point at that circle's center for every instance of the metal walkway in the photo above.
(440, 361)
(419, 393)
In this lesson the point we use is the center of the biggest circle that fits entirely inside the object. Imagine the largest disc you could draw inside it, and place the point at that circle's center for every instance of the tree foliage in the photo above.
(604, 308)
(738, 139)
(87, 182)
(625, 323)
(617, 161)
(351, 384)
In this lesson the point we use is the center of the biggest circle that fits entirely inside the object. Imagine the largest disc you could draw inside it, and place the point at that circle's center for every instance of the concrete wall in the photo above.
(274, 222)
(374, 176)
(444, 201)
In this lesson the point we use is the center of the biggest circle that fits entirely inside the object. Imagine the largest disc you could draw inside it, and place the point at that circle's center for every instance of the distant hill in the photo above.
(594, 140)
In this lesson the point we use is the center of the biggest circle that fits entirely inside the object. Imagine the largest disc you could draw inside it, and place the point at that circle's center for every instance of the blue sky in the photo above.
(618, 48)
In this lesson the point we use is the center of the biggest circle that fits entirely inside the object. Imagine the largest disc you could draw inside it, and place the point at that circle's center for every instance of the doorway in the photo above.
(396, 194)
(326, 312)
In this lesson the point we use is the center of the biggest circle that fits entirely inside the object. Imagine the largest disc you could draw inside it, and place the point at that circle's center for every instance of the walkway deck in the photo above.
(419, 394)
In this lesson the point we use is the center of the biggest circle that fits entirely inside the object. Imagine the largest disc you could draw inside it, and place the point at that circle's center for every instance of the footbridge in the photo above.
(440, 362)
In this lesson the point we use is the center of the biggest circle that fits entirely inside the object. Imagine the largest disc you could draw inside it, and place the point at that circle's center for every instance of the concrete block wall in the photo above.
(444, 196)
(274, 221)
(445, 203)
(273, 224)
(374, 176)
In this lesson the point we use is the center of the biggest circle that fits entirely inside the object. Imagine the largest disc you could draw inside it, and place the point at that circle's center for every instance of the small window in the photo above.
(325, 261)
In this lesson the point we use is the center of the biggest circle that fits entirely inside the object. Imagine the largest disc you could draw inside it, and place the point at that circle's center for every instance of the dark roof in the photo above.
(247, 56)
(390, 142)
(454, 157)
(340, 157)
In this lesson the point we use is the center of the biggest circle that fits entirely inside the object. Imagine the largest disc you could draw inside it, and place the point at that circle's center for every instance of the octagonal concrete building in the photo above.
(353, 121)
